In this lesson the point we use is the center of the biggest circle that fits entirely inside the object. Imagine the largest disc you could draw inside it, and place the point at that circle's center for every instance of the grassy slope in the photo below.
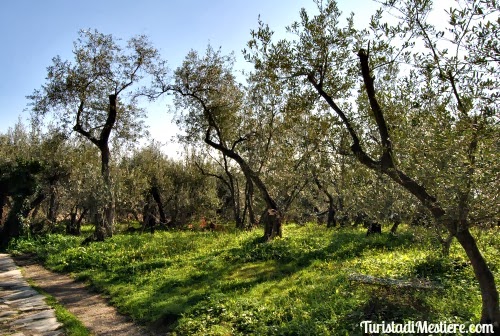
(204, 283)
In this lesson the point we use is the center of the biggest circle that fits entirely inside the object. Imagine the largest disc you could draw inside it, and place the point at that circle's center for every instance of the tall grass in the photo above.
(216, 283)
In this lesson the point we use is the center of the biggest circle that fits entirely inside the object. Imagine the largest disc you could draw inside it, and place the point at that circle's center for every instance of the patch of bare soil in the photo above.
(89, 307)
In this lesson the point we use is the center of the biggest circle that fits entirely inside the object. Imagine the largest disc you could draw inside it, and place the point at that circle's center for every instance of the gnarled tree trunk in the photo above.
(331, 222)
(249, 203)
(103, 223)
(157, 197)
(104, 226)
(489, 294)
(52, 209)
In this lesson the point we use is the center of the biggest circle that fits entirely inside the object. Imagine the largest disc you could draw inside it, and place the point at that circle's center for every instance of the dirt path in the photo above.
(90, 308)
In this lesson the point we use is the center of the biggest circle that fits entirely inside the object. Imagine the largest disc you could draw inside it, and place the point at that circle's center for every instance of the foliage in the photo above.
(186, 194)
(19, 180)
(77, 92)
(68, 179)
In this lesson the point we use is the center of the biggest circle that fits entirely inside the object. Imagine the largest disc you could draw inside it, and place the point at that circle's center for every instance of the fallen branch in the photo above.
(390, 282)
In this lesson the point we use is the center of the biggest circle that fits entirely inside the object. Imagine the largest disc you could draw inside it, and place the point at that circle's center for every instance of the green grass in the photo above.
(72, 326)
(214, 283)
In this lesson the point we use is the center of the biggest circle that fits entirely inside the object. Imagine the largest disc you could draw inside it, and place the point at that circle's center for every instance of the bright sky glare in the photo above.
(33, 31)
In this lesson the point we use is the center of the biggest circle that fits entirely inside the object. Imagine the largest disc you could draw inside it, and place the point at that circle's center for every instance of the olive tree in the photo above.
(143, 176)
(229, 181)
(206, 89)
(27, 178)
(452, 81)
(96, 94)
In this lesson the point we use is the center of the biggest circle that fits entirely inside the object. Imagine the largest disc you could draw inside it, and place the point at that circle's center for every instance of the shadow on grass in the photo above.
(254, 263)
(387, 305)
(167, 295)
(344, 245)
(208, 281)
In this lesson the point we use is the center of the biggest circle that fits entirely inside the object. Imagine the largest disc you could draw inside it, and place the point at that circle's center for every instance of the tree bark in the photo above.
(249, 203)
(13, 225)
(74, 226)
(51, 211)
(331, 204)
(104, 224)
(79, 221)
(235, 201)
(373, 228)
(394, 227)
(271, 219)
(3, 202)
(40, 197)
(71, 226)
(104, 228)
(232, 184)
(233, 188)
(157, 197)
(489, 294)
(240, 224)
(331, 222)
(272, 226)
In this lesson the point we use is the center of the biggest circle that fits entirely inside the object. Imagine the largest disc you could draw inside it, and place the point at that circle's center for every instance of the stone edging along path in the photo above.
(90, 308)
(23, 310)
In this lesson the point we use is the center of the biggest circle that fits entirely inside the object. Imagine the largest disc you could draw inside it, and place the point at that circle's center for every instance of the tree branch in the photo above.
(206, 173)
(78, 126)
(368, 79)
(334, 106)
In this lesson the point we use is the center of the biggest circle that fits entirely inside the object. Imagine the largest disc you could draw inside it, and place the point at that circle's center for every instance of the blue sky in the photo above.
(34, 31)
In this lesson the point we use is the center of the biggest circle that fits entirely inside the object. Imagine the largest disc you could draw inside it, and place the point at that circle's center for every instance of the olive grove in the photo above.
(412, 80)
